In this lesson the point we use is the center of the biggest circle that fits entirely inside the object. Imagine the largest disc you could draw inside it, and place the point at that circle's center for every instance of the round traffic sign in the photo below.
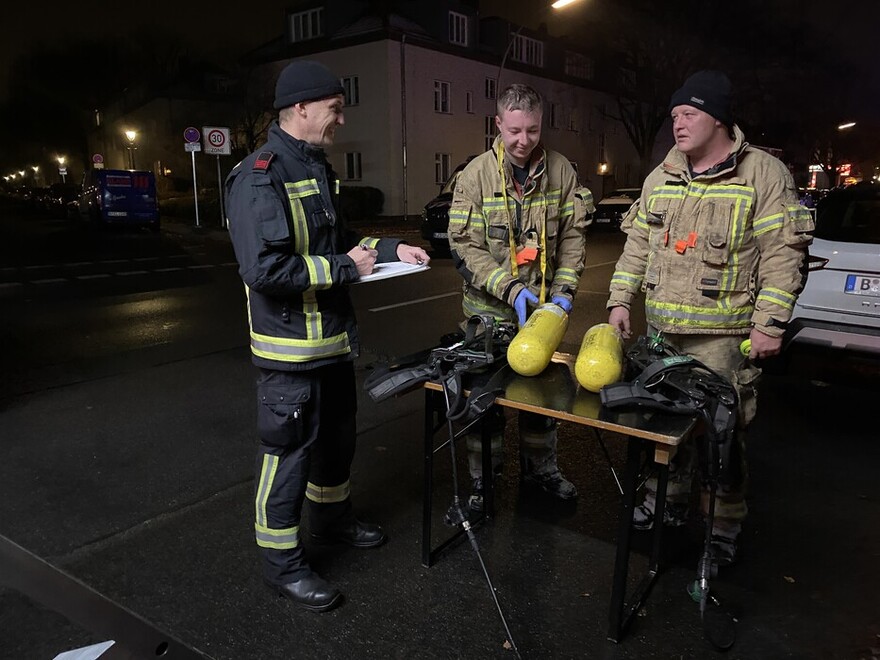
(191, 134)
(216, 137)
(97, 158)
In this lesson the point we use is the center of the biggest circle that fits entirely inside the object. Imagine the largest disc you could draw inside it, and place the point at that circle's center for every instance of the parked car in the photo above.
(611, 208)
(119, 198)
(839, 307)
(435, 216)
(59, 198)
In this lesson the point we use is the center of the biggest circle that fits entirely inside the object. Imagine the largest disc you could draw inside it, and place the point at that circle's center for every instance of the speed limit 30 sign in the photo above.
(216, 140)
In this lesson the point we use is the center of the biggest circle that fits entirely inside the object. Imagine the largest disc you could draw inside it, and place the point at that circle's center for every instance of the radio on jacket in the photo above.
(530, 351)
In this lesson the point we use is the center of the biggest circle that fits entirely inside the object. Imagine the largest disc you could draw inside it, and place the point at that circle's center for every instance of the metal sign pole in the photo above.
(195, 188)
(220, 192)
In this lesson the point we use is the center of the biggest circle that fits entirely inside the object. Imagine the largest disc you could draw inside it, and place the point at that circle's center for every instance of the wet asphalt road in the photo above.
(126, 435)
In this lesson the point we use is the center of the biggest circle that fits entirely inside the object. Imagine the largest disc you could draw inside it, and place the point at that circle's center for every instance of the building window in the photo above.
(469, 102)
(574, 119)
(491, 130)
(527, 50)
(353, 165)
(555, 115)
(441, 96)
(441, 168)
(458, 29)
(579, 66)
(351, 90)
(307, 25)
(491, 86)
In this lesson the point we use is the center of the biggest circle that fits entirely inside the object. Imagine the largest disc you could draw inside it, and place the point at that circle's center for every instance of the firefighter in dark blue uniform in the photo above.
(296, 259)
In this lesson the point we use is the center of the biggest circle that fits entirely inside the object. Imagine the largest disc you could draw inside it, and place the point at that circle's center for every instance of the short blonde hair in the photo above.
(520, 97)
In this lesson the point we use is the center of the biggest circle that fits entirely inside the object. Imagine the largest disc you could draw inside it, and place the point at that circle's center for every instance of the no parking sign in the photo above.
(216, 140)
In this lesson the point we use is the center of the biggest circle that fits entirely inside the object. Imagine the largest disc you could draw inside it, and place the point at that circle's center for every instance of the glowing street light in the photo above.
(131, 136)
(845, 126)
(62, 171)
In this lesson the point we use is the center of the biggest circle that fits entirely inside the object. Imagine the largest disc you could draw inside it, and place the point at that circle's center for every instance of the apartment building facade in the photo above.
(421, 84)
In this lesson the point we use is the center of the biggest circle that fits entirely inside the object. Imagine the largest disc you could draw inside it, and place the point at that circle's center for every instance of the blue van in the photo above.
(125, 198)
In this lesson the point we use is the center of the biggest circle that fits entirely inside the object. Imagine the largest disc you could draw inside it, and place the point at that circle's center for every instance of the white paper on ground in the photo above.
(392, 269)
(86, 653)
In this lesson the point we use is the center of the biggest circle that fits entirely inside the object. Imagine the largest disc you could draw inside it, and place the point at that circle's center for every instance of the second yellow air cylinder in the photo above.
(600, 360)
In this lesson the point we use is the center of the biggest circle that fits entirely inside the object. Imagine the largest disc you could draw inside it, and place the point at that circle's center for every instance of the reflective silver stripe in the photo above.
(314, 328)
(698, 317)
(777, 296)
(328, 494)
(298, 350)
(319, 272)
(267, 476)
(278, 539)
(304, 188)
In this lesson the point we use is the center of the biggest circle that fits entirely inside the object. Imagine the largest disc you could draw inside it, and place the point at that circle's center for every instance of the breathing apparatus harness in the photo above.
(482, 347)
(660, 378)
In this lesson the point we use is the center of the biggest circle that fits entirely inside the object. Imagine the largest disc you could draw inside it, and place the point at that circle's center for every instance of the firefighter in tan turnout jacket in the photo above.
(717, 243)
(516, 230)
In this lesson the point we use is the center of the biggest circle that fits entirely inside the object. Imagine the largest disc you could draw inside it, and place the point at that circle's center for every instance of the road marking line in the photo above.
(230, 263)
(414, 302)
(95, 276)
(166, 270)
(114, 261)
(9, 284)
(146, 259)
(51, 280)
(200, 266)
(132, 272)
(604, 263)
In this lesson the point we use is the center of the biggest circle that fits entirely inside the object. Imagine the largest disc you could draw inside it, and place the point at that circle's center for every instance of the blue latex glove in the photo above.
(519, 304)
(563, 302)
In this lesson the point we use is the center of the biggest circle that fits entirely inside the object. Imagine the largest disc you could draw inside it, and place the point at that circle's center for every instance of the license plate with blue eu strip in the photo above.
(863, 285)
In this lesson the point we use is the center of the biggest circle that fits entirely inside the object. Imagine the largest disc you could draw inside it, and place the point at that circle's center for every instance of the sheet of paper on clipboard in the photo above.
(390, 269)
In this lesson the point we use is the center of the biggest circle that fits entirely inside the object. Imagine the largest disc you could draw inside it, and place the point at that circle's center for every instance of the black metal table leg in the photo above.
(623, 611)
(428, 493)
(488, 481)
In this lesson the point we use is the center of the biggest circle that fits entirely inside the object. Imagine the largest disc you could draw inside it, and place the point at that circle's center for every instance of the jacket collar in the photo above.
(676, 163)
(537, 165)
(303, 150)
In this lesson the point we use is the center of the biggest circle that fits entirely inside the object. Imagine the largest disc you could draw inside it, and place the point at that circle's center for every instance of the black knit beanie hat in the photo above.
(709, 91)
(305, 80)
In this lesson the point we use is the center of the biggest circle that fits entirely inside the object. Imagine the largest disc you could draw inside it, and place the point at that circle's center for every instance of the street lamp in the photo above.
(61, 169)
(845, 126)
(131, 136)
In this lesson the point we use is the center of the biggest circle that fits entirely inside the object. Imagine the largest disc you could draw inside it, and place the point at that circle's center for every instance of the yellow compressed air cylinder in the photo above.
(600, 360)
(530, 351)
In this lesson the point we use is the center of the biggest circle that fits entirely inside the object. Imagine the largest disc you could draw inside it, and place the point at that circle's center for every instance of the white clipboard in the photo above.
(390, 269)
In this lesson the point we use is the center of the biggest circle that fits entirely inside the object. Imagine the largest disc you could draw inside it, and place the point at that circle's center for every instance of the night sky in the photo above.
(223, 30)
(213, 27)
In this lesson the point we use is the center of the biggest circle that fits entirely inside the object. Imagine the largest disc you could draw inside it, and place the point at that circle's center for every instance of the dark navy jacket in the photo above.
(282, 204)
